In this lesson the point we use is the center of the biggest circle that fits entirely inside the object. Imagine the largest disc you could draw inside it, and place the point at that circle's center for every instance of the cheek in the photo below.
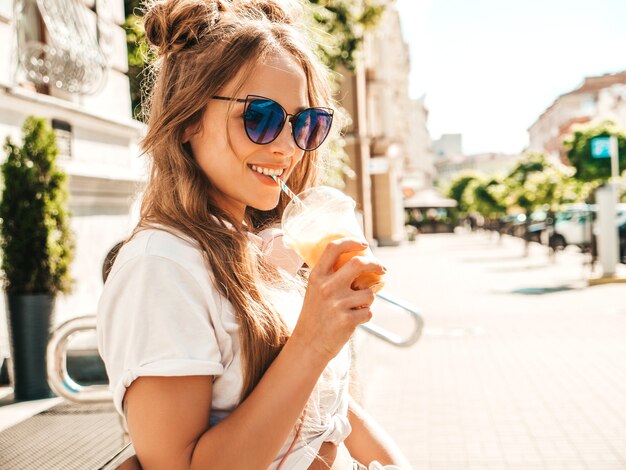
(296, 167)
(240, 145)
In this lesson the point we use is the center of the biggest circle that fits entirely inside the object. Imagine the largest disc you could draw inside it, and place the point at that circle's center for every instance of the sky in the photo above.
(489, 68)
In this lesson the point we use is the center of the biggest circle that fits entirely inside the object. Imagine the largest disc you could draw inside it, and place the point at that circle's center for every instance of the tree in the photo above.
(344, 23)
(457, 190)
(139, 56)
(37, 244)
(578, 151)
(535, 183)
(487, 197)
(37, 249)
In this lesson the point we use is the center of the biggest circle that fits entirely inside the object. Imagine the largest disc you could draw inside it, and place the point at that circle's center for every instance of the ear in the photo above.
(187, 134)
(191, 130)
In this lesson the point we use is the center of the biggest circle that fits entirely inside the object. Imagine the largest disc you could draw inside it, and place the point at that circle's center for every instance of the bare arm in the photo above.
(368, 441)
(168, 418)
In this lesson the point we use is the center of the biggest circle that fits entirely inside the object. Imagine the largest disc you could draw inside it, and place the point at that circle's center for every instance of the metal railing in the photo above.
(58, 378)
(394, 338)
(64, 386)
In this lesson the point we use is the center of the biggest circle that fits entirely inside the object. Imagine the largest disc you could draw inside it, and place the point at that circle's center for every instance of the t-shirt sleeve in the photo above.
(154, 320)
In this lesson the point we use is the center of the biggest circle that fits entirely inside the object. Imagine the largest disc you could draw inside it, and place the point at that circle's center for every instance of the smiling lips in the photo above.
(267, 171)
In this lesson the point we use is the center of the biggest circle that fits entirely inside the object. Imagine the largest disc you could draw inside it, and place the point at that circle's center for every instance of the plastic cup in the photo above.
(325, 214)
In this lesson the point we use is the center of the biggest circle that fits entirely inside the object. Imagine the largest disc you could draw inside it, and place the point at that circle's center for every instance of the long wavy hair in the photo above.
(201, 45)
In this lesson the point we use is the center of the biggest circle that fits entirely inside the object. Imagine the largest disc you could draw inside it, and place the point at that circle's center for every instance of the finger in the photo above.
(357, 266)
(334, 249)
(358, 300)
(363, 298)
(362, 315)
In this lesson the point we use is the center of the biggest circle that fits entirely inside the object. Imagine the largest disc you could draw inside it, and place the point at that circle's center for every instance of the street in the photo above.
(520, 365)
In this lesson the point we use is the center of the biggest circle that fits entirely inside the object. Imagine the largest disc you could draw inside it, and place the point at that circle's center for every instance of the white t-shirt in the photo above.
(161, 315)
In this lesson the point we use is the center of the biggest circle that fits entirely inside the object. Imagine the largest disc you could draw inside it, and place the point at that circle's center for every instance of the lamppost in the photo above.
(606, 199)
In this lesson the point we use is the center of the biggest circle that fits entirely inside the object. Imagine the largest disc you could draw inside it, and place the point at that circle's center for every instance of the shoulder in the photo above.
(166, 243)
(163, 247)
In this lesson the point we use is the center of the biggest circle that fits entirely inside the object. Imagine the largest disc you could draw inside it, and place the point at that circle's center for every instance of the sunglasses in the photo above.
(264, 120)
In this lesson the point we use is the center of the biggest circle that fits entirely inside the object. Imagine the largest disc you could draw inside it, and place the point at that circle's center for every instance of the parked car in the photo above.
(575, 226)
(572, 226)
(538, 223)
(513, 224)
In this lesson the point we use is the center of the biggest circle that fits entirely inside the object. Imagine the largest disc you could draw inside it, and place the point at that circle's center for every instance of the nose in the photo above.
(284, 144)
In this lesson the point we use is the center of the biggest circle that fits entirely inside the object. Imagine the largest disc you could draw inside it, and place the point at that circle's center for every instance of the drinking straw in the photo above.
(286, 190)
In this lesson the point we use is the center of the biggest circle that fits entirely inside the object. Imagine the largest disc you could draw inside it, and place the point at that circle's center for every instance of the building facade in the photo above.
(65, 61)
(419, 162)
(489, 164)
(596, 99)
(381, 139)
(447, 146)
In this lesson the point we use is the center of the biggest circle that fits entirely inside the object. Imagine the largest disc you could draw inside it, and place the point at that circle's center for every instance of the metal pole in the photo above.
(607, 229)
(614, 159)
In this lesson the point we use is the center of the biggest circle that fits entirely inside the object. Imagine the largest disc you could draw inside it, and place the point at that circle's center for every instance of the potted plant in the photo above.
(37, 249)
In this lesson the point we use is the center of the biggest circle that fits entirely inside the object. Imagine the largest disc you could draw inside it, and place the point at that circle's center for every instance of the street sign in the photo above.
(601, 147)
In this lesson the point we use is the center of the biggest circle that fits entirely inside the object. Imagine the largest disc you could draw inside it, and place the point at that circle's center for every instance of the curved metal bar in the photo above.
(391, 337)
(125, 454)
(58, 378)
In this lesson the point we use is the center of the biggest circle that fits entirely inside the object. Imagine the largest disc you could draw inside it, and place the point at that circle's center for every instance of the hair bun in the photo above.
(284, 11)
(172, 25)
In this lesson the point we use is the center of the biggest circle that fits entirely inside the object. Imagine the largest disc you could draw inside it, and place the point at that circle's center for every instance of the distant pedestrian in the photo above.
(221, 352)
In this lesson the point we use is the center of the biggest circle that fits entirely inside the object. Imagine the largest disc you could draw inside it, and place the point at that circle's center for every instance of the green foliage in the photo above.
(520, 194)
(138, 60)
(578, 151)
(487, 197)
(37, 244)
(337, 167)
(535, 183)
(457, 190)
(344, 23)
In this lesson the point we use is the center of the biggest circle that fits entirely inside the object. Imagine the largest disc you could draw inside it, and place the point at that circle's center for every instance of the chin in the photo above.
(265, 205)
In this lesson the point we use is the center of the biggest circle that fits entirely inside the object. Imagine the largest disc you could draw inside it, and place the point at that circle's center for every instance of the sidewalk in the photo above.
(521, 366)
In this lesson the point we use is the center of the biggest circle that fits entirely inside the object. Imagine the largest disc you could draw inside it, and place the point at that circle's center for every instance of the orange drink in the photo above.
(326, 214)
(311, 251)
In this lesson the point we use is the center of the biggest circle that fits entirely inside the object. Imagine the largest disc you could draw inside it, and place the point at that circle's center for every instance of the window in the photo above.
(63, 131)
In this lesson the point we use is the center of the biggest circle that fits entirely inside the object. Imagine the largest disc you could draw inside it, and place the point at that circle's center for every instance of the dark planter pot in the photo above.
(30, 321)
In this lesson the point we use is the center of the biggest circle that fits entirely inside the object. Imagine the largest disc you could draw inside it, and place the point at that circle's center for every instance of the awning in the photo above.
(428, 199)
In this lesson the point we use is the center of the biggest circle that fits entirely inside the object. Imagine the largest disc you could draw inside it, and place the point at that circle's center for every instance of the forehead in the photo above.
(281, 78)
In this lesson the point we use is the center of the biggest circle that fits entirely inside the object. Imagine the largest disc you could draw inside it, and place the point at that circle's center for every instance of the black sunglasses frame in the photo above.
(287, 117)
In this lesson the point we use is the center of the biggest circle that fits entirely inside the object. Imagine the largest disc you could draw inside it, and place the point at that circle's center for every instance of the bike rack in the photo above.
(391, 337)
(58, 378)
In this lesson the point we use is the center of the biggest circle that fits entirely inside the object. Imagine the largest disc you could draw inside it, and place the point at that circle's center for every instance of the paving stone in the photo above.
(520, 366)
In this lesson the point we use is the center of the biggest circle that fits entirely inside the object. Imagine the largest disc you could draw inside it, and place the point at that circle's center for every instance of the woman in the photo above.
(220, 353)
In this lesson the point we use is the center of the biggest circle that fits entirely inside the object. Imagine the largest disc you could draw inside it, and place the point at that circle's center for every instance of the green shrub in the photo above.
(578, 150)
(36, 242)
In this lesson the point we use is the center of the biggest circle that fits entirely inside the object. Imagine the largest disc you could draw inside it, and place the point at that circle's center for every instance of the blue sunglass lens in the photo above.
(312, 127)
(264, 119)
